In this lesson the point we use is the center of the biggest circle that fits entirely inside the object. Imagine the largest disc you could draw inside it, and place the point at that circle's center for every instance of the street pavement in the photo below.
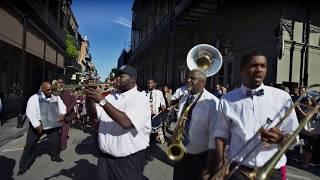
(80, 159)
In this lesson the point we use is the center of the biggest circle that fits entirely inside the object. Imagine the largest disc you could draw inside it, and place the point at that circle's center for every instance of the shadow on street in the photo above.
(88, 146)
(294, 160)
(82, 170)
(161, 155)
(6, 167)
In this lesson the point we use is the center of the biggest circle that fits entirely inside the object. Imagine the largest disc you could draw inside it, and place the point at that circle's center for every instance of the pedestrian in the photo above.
(199, 128)
(125, 126)
(70, 101)
(45, 112)
(167, 95)
(244, 110)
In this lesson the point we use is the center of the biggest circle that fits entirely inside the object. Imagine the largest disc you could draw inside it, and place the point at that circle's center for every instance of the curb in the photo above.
(12, 136)
(9, 131)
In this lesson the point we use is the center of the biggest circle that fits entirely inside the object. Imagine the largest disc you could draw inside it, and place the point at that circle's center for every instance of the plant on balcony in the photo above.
(71, 48)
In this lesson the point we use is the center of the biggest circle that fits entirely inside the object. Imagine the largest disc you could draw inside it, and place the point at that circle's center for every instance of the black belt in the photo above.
(106, 155)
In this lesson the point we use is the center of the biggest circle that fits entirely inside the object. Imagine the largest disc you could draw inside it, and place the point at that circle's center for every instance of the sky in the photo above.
(107, 25)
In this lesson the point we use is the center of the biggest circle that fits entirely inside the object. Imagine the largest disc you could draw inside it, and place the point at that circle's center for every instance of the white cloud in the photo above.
(122, 21)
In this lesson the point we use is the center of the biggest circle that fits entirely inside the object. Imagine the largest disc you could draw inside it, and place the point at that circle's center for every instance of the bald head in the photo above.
(46, 88)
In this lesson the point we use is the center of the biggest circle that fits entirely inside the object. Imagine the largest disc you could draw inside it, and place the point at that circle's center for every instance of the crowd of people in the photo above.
(211, 125)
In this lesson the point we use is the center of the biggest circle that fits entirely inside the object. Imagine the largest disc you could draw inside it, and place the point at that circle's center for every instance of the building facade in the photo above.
(32, 46)
(163, 32)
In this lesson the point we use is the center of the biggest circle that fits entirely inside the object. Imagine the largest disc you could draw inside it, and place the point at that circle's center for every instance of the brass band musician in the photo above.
(124, 128)
(244, 110)
(199, 128)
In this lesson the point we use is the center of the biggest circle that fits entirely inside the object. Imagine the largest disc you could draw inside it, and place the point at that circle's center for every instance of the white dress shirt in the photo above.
(240, 117)
(181, 91)
(33, 108)
(157, 100)
(203, 118)
(120, 142)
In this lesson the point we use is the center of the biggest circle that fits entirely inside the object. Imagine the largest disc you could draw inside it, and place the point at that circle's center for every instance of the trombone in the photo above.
(264, 172)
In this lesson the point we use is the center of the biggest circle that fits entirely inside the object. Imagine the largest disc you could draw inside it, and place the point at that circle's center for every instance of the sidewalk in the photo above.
(8, 131)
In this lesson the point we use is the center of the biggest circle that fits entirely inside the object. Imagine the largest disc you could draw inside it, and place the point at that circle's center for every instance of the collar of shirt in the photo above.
(244, 89)
(44, 96)
(129, 92)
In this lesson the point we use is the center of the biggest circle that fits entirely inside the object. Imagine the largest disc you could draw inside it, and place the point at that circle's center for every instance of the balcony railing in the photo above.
(157, 30)
(40, 9)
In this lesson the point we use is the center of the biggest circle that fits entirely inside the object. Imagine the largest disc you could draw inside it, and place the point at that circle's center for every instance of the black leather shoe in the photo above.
(21, 171)
(57, 159)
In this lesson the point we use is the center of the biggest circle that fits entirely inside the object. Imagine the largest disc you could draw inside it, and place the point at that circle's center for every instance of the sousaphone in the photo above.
(205, 57)
(208, 59)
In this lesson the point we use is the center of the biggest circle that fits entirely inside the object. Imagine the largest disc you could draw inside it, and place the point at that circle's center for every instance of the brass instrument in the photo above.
(208, 59)
(263, 172)
(176, 149)
(82, 86)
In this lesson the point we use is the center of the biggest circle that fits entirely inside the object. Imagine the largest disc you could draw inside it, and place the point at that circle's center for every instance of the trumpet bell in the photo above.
(205, 57)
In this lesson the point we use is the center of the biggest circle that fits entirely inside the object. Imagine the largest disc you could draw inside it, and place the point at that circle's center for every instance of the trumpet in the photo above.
(82, 86)
(263, 173)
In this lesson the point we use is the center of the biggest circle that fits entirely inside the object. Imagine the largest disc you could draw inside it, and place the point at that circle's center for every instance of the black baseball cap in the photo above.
(127, 69)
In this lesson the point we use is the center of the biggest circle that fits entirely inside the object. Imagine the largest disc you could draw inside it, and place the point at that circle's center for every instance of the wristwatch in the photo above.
(103, 102)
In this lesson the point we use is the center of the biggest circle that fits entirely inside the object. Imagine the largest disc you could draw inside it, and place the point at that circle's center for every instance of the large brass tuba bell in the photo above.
(208, 59)
(205, 57)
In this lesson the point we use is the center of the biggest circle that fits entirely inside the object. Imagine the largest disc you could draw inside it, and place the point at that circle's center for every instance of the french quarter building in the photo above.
(163, 31)
(32, 47)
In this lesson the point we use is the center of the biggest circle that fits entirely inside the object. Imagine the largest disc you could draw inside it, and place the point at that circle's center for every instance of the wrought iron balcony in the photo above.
(42, 11)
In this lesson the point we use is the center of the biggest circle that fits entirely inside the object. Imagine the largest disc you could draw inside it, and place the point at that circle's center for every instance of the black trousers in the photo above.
(238, 175)
(31, 142)
(124, 168)
(190, 166)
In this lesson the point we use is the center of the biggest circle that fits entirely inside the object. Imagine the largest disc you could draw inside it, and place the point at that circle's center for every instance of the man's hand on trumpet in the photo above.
(93, 94)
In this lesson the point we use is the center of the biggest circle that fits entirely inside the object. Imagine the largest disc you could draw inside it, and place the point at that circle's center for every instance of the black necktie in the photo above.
(251, 93)
(151, 97)
(187, 125)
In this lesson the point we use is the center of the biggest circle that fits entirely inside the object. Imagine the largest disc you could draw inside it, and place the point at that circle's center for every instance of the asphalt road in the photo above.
(80, 159)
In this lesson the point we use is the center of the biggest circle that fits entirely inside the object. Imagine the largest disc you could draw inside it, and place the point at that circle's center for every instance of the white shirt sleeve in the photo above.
(62, 106)
(213, 118)
(176, 94)
(222, 126)
(291, 122)
(162, 101)
(138, 112)
(33, 111)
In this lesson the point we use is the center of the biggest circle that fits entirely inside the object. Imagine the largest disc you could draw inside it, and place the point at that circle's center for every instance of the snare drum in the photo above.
(156, 121)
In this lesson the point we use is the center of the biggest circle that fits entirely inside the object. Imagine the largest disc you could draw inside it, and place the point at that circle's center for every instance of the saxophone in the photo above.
(176, 149)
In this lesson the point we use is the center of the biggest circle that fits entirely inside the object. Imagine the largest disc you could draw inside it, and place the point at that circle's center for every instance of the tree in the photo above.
(71, 48)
